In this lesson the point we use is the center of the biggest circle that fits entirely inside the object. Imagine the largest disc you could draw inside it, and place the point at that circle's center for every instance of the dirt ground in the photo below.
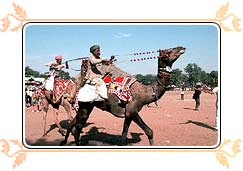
(174, 123)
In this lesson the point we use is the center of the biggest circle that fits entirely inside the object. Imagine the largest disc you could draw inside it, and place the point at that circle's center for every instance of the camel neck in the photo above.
(159, 87)
(162, 83)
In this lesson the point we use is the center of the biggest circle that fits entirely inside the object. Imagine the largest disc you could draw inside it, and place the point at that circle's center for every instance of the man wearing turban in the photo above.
(96, 68)
(54, 73)
(95, 88)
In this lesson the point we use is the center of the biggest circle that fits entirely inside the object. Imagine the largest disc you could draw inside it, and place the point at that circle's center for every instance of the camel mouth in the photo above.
(178, 51)
(182, 51)
(169, 56)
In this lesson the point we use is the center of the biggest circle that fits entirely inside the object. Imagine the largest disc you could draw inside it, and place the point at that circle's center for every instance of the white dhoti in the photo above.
(49, 83)
(95, 91)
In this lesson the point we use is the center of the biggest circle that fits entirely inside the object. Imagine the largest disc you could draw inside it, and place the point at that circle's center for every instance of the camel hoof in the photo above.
(151, 142)
(62, 143)
(45, 135)
(124, 141)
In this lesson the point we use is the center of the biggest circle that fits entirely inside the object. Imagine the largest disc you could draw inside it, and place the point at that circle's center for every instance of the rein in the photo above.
(75, 59)
(138, 53)
(167, 69)
(134, 54)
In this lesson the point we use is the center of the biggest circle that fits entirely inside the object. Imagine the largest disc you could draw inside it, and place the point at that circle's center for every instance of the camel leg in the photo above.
(76, 133)
(126, 125)
(48, 94)
(57, 122)
(45, 109)
(67, 107)
(44, 119)
(78, 122)
(82, 117)
(69, 129)
(78, 126)
(138, 120)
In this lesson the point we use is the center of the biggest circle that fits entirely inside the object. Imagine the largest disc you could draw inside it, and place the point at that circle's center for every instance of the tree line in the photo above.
(192, 74)
(32, 73)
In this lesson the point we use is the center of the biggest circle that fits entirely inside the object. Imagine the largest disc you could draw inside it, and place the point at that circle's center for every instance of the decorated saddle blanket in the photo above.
(60, 85)
(121, 88)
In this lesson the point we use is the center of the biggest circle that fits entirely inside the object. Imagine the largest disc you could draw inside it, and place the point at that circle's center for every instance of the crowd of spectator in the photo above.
(32, 97)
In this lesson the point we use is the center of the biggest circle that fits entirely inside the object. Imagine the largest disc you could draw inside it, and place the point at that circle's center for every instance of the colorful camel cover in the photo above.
(121, 88)
(60, 86)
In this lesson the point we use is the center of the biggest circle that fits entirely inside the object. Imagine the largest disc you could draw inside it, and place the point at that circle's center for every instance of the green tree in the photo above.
(176, 77)
(193, 73)
(204, 77)
(43, 75)
(30, 72)
(184, 80)
(213, 78)
(146, 79)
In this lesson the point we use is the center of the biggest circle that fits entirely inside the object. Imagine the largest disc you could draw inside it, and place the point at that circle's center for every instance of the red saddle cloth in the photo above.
(60, 85)
(121, 88)
(107, 79)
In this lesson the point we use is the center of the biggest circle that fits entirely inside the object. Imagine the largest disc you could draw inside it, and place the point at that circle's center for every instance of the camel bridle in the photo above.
(164, 73)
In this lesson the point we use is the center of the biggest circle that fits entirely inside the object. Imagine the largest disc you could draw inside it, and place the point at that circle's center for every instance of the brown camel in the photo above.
(142, 95)
(67, 98)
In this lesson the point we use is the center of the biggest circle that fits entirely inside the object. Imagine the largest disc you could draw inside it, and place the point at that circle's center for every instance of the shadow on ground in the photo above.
(94, 137)
(189, 108)
(200, 124)
(43, 142)
(64, 125)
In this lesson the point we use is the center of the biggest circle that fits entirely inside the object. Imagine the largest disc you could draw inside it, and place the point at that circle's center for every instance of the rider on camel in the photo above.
(97, 68)
(54, 71)
(96, 64)
(57, 66)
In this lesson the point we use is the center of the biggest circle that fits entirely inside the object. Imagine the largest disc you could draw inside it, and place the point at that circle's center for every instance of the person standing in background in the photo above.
(196, 97)
(215, 91)
(182, 93)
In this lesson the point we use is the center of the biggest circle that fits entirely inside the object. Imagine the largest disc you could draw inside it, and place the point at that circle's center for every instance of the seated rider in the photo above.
(97, 68)
(54, 71)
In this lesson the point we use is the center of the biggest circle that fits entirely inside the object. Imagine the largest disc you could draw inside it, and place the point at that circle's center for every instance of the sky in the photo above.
(43, 41)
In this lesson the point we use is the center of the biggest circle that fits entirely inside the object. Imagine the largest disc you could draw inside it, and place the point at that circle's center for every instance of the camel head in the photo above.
(168, 56)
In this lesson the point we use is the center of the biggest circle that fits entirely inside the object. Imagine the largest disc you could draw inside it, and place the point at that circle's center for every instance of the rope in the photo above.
(145, 58)
(125, 61)
(131, 54)
(75, 59)
(138, 53)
